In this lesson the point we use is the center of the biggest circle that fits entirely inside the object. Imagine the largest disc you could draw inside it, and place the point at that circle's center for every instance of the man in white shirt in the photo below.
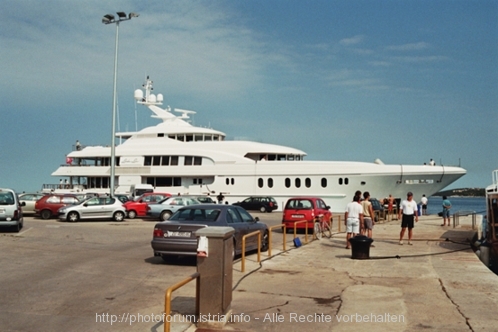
(424, 202)
(353, 218)
(408, 208)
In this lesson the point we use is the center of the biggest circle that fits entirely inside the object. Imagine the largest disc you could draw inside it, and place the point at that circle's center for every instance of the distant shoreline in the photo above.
(463, 192)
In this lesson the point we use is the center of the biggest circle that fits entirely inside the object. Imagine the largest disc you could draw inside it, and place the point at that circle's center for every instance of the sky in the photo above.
(402, 81)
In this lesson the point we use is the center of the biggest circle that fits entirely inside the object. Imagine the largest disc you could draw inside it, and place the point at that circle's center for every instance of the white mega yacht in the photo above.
(177, 157)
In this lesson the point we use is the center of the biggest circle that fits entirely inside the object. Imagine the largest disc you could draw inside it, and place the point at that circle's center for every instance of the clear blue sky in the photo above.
(403, 81)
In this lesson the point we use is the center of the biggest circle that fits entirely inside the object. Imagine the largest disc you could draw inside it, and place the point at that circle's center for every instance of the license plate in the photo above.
(298, 216)
(177, 234)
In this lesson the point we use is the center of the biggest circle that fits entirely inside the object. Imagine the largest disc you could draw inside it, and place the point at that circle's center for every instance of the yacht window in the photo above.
(260, 182)
(324, 183)
(177, 182)
(208, 137)
(270, 183)
(298, 182)
(198, 137)
(165, 161)
(160, 135)
(287, 183)
(147, 161)
(156, 161)
(188, 161)
(227, 181)
(272, 157)
(190, 138)
(363, 183)
(171, 136)
(174, 161)
(180, 137)
(290, 157)
(340, 180)
(307, 182)
(232, 180)
(216, 138)
(346, 181)
(298, 157)
(197, 161)
(281, 157)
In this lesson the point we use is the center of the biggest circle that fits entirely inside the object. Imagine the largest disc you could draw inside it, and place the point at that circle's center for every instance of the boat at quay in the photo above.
(177, 157)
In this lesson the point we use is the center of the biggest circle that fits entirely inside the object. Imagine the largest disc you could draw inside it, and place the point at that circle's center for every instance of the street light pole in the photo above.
(109, 19)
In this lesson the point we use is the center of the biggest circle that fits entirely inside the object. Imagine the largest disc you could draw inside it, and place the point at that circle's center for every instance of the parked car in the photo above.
(259, 203)
(165, 208)
(177, 235)
(10, 210)
(29, 201)
(304, 208)
(94, 208)
(122, 197)
(203, 199)
(138, 208)
(48, 206)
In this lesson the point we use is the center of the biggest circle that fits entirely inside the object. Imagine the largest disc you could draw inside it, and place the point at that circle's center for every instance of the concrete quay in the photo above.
(438, 283)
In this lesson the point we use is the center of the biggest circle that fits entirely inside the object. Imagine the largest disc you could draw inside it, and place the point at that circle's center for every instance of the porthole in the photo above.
(324, 183)
(260, 183)
(287, 183)
(298, 182)
(307, 182)
(270, 183)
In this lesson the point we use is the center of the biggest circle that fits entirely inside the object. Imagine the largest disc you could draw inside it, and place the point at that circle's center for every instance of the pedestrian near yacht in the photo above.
(353, 218)
(424, 202)
(408, 208)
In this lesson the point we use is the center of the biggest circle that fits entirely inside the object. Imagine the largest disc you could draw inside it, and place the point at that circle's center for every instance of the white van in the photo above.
(137, 190)
(10, 209)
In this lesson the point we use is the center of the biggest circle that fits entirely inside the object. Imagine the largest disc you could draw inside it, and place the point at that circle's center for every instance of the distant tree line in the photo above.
(469, 192)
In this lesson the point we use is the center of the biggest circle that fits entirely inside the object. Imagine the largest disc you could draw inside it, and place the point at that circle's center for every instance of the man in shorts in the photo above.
(353, 218)
(368, 215)
(408, 208)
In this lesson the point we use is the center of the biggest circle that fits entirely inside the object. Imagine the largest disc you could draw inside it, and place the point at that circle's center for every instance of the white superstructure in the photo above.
(177, 157)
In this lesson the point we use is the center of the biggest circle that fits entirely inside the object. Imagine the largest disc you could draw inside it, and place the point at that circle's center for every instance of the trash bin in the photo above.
(360, 245)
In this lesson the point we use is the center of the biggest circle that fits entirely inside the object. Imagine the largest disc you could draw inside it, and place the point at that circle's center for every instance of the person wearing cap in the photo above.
(408, 208)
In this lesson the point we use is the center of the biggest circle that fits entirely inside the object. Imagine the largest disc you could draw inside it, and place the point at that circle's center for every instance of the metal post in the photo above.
(113, 137)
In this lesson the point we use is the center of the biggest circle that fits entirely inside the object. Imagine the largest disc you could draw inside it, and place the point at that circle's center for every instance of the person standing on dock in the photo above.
(353, 218)
(408, 208)
(368, 216)
(446, 210)
(424, 202)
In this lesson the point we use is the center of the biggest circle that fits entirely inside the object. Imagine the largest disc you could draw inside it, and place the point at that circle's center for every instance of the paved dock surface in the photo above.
(438, 284)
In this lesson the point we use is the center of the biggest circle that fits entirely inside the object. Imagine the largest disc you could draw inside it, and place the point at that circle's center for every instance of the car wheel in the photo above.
(317, 231)
(46, 214)
(73, 217)
(132, 214)
(17, 228)
(264, 242)
(262, 209)
(165, 215)
(118, 216)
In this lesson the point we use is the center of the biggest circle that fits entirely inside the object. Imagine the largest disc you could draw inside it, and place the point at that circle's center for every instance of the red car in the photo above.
(304, 208)
(138, 208)
(48, 206)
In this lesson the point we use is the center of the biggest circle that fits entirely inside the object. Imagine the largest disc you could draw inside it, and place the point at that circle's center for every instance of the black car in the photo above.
(176, 237)
(259, 203)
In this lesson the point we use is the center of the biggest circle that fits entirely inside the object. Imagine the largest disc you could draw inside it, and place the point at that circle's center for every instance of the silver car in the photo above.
(165, 208)
(10, 209)
(29, 202)
(94, 208)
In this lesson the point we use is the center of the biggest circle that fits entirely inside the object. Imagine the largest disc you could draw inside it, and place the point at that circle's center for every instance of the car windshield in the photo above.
(295, 204)
(196, 214)
(6, 198)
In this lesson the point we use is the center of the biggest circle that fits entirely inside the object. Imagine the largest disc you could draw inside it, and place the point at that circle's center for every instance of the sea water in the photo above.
(476, 204)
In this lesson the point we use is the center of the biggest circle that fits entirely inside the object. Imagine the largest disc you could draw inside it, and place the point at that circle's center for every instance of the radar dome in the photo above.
(139, 95)
(160, 98)
(152, 98)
